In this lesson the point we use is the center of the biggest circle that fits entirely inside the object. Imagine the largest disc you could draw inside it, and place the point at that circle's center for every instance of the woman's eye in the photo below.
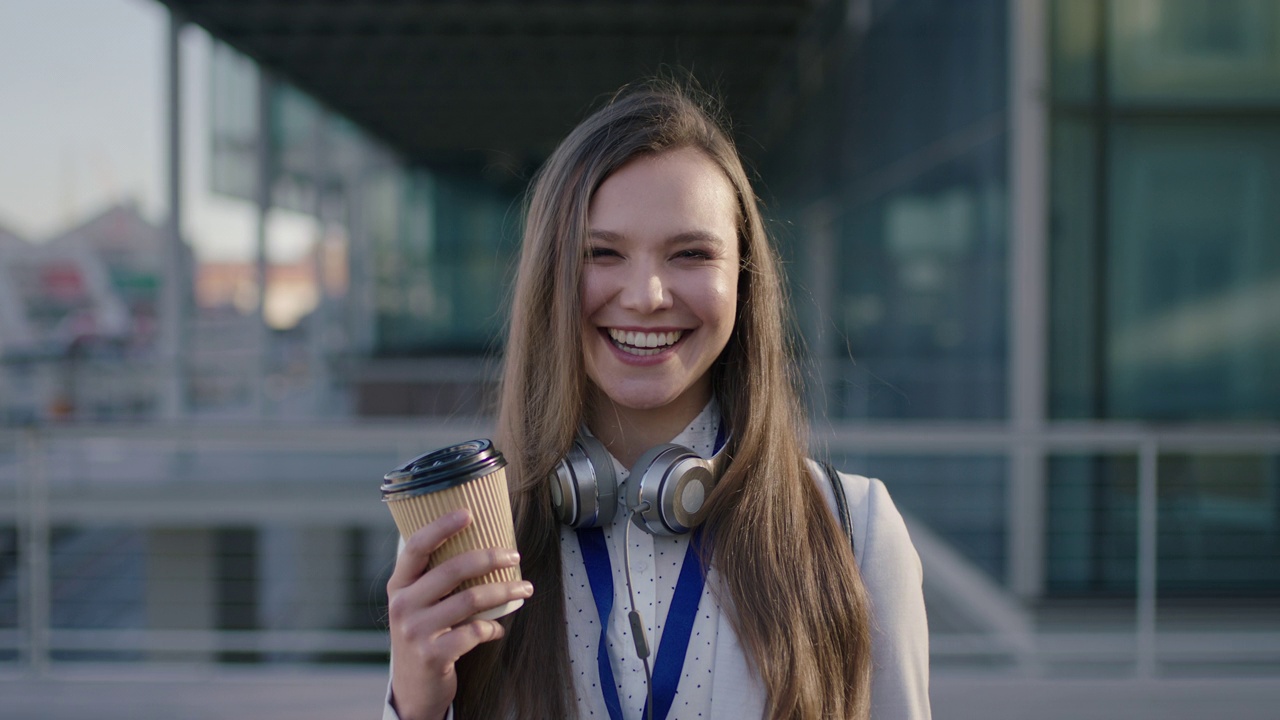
(594, 253)
(694, 254)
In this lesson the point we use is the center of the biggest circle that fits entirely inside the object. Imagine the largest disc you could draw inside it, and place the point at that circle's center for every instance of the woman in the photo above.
(649, 308)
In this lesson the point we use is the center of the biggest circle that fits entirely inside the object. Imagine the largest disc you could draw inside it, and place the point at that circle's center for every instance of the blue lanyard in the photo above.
(675, 633)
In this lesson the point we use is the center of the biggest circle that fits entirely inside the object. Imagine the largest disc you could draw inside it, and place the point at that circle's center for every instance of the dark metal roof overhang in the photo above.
(465, 83)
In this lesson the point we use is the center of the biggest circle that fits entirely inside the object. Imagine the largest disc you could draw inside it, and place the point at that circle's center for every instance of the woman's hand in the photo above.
(429, 626)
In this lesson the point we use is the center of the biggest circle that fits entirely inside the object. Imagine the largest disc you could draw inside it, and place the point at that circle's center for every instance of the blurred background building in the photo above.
(1033, 245)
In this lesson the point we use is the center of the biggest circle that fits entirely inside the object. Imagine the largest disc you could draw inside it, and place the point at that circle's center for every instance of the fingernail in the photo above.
(525, 589)
(511, 557)
(458, 517)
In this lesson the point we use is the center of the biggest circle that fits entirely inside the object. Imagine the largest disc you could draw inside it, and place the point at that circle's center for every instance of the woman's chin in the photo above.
(656, 401)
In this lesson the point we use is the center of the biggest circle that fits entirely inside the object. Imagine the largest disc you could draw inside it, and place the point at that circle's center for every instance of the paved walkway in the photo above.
(220, 693)
(956, 697)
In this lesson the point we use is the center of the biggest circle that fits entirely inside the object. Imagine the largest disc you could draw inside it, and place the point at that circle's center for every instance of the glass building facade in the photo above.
(888, 187)
(442, 277)
(893, 191)
(429, 250)
(900, 168)
(1165, 211)
(890, 194)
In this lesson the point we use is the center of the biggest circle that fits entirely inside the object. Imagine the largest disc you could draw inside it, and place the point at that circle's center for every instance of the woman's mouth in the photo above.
(643, 344)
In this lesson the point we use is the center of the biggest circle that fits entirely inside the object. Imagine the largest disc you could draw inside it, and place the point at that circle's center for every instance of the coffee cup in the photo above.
(467, 475)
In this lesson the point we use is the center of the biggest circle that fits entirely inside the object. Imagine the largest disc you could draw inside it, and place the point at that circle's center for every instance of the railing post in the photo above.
(1148, 509)
(34, 574)
(1027, 296)
(175, 287)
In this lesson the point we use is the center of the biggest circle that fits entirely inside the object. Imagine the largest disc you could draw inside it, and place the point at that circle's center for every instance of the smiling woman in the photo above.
(648, 384)
(659, 295)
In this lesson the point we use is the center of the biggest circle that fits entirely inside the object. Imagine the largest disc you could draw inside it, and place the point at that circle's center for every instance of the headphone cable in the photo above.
(638, 635)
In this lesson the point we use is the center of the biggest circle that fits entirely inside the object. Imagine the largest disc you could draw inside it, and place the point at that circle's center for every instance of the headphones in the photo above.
(667, 487)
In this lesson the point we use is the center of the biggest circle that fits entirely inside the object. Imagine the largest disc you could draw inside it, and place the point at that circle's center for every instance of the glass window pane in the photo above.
(14, 473)
(1195, 50)
(1193, 272)
(962, 499)
(1074, 41)
(1219, 524)
(1073, 285)
(8, 586)
(922, 297)
(1091, 535)
(233, 131)
(908, 173)
(300, 152)
(444, 268)
(97, 578)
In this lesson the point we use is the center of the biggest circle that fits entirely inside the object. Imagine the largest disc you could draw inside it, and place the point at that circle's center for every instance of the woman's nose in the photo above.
(645, 291)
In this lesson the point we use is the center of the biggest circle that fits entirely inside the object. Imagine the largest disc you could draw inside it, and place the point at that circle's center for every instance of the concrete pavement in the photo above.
(142, 692)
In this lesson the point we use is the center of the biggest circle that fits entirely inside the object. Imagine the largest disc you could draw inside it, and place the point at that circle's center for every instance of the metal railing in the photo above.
(1147, 645)
(87, 476)
(80, 476)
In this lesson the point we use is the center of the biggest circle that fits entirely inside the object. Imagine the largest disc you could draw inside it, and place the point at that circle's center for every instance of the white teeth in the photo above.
(643, 344)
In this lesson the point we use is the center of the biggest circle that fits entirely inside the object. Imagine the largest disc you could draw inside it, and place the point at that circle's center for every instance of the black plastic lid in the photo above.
(442, 469)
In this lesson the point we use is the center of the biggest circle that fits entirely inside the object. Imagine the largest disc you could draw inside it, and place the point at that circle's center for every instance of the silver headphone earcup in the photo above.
(669, 487)
(584, 488)
(565, 501)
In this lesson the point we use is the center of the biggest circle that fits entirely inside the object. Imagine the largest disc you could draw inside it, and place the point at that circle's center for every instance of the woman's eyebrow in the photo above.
(681, 238)
(695, 236)
(604, 235)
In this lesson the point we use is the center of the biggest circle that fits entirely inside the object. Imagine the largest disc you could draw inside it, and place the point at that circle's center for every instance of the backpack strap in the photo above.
(842, 502)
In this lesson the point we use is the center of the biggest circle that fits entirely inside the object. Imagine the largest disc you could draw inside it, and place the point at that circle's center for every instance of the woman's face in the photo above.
(660, 281)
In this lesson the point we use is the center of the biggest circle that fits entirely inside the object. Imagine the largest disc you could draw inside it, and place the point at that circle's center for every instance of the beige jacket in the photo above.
(899, 636)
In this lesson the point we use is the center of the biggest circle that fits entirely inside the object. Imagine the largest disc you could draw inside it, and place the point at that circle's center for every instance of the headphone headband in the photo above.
(667, 488)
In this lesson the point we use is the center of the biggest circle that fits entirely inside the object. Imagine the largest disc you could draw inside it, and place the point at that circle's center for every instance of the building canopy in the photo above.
(474, 83)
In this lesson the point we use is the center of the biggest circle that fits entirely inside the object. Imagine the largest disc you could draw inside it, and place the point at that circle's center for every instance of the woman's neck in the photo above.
(628, 432)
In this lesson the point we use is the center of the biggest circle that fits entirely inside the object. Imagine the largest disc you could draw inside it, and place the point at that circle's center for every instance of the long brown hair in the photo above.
(776, 545)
